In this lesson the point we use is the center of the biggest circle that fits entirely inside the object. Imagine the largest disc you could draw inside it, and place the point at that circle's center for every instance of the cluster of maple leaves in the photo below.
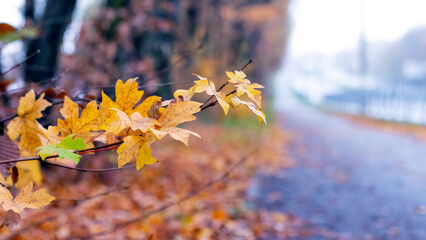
(129, 123)
(90, 203)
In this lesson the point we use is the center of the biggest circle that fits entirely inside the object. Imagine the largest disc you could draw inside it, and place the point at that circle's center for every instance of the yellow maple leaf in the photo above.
(210, 89)
(176, 113)
(237, 77)
(28, 172)
(146, 105)
(50, 135)
(126, 94)
(251, 92)
(25, 199)
(179, 112)
(83, 127)
(25, 124)
(121, 121)
(245, 86)
(176, 133)
(187, 94)
(31, 108)
(235, 102)
(136, 147)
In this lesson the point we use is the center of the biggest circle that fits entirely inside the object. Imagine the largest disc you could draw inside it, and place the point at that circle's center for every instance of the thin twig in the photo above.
(215, 102)
(189, 195)
(53, 104)
(19, 64)
(98, 147)
(51, 80)
(8, 118)
(73, 99)
(38, 158)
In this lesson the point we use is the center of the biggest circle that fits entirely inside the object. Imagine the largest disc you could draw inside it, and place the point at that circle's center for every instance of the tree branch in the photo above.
(19, 64)
(52, 80)
(53, 104)
(215, 102)
(85, 151)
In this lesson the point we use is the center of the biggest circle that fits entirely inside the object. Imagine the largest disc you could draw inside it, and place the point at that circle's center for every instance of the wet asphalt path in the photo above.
(355, 181)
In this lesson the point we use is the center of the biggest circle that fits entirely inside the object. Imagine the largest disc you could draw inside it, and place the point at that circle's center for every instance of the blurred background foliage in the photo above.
(160, 42)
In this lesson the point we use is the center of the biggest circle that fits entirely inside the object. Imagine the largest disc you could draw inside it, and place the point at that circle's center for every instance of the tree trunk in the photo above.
(57, 15)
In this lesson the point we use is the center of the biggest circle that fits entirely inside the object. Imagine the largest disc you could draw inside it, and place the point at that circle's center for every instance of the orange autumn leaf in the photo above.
(25, 124)
(6, 28)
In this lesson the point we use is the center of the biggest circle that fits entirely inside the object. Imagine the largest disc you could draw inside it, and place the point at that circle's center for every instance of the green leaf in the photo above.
(63, 148)
(72, 144)
(9, 37)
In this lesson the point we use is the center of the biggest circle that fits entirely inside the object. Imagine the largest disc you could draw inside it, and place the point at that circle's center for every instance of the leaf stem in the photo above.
(19, 64)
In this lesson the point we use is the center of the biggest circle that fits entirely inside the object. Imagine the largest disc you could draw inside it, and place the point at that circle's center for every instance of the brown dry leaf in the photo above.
(154, 110)
(144, 107)
(8, 150)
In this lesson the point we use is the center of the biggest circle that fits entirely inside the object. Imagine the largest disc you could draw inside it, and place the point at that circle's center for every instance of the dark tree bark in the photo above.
(57, 15)
(162, 44)
(29, 12)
